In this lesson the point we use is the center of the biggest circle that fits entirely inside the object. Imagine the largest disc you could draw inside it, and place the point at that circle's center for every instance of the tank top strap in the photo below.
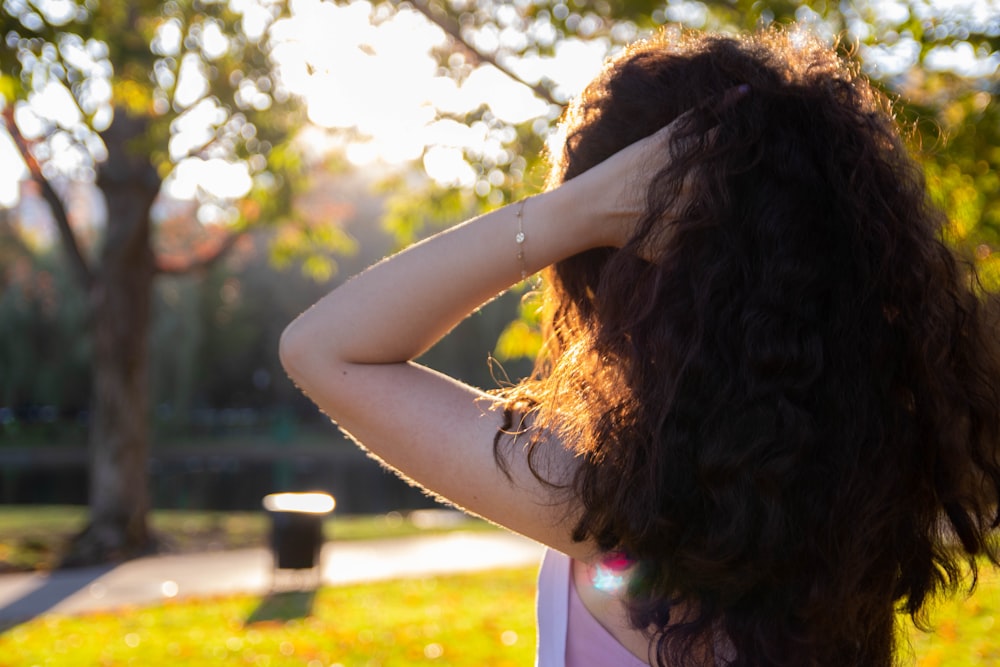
(552, 609)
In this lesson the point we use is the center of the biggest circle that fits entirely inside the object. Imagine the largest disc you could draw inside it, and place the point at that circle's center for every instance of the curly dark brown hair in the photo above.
(790, 417)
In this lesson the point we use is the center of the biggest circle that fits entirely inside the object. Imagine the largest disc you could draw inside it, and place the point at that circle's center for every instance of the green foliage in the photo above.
(509, 165)
(522, 338)
(963, 174)
(312, 243)
(414, 213)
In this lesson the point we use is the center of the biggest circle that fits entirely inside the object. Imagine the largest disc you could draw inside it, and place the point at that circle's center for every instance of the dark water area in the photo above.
(216, 477)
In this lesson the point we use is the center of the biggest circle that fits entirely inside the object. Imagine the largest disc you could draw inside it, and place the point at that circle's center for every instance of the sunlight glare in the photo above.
(194, 128)
(191, 83)
(383, 82)
(12, 170)
(309, 503)
(217, 177)
(449, 132)
(58, 12)
(510, 103)
(447, 166)
(361, 154)
(55, 104)
(961, 59)
(572, 66)
(168, 37)
(356, 75)
(885, 60)
(214, 44)
(256, 16)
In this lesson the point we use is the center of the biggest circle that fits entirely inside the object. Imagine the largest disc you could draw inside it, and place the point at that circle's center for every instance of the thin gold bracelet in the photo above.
(519, 239)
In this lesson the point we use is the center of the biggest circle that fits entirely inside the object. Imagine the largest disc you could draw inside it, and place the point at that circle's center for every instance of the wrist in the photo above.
(569, 215)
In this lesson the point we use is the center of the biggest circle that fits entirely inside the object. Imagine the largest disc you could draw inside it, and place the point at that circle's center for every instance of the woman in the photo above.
(767, 413)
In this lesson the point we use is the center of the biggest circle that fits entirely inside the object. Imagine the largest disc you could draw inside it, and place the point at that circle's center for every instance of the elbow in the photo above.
(292, 351)
(312, 363)
(310, 352)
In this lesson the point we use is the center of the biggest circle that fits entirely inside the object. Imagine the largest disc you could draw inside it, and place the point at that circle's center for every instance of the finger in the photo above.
(715, 105)
(732, 96)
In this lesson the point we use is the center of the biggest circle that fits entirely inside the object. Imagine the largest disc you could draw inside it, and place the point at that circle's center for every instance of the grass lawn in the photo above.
(483, 619)
(966, 629)
(32, 537)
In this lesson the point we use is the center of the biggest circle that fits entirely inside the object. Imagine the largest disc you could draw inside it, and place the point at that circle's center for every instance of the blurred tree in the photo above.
(132, 96)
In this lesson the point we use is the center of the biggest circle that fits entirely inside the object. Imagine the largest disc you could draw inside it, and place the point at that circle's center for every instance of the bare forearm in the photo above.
(401, 306)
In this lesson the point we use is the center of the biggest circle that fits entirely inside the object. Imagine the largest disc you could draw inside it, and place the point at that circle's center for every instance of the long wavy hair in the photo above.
(783, 391)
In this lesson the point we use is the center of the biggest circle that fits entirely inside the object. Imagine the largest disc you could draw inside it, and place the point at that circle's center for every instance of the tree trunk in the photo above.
(120, 300)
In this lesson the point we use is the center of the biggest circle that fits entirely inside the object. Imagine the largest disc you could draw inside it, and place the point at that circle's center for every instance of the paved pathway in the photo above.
(148, 580)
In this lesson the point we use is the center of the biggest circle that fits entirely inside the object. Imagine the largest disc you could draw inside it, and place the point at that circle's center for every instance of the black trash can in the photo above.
(297, 528)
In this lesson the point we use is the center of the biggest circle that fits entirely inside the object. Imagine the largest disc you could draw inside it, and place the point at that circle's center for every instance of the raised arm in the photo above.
(352, 352)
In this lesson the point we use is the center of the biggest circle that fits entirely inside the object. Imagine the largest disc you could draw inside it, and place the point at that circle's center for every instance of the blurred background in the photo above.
(179, 179)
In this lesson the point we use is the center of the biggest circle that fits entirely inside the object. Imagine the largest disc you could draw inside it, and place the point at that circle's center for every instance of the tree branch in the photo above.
(78, 263)
(7, 231)
(454, 30)
(198, 261)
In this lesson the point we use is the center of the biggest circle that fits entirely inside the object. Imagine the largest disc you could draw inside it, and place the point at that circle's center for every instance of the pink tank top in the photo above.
(588, 644)
(568, 636)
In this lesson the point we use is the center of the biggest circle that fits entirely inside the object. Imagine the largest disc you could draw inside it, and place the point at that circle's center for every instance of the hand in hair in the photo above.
(624, 179)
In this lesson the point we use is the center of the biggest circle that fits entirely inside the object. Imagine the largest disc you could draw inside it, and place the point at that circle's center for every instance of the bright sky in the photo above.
(382, 83)
(11, 171)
